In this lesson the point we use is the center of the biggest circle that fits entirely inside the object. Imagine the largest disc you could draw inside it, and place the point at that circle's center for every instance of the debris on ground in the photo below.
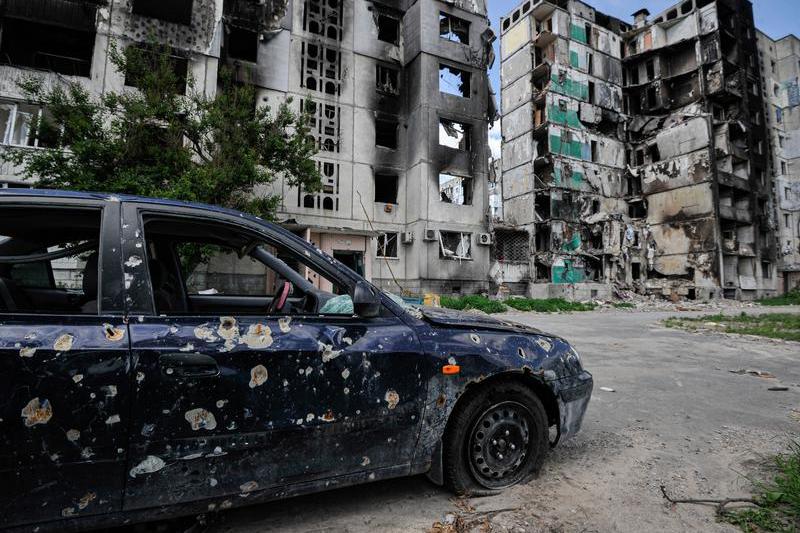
(759, 373)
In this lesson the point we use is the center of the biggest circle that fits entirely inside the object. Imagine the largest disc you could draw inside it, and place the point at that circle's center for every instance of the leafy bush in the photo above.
(464, 303)
(548, 305)
(791, 298)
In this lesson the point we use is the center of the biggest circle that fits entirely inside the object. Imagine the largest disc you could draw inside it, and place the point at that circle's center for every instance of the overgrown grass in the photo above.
(791, 298)
(623, 305)
(548, 305)
(463, 303)
(778, 500)
(773, 325)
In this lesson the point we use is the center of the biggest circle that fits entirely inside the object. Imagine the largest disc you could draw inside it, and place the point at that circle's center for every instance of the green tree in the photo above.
(158, 141)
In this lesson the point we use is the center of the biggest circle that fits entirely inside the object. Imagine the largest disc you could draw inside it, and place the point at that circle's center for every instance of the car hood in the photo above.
(462, 319)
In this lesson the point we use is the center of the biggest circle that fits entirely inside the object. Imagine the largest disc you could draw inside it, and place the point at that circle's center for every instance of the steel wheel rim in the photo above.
(499, 444)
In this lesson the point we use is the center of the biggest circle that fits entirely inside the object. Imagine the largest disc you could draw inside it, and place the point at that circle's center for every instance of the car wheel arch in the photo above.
(523, 377)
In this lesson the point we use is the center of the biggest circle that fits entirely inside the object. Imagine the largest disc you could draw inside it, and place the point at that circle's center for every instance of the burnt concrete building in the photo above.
(780, 71)
(634, 155)
(400, 100)
(397, 93)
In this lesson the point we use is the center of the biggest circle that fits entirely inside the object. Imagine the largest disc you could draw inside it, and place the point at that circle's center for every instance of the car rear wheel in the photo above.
(496, 439)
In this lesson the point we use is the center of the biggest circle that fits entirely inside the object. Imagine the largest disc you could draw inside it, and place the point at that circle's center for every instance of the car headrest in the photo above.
(90, 276)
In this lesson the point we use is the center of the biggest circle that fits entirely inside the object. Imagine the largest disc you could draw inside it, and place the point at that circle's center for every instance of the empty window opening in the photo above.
(594, 150)
(634, 76)
(766, 270)
(387, 79)
(454, 81)
(639, 157)
(591, 92)
(634, 185)
(653, 153)
(454, 134)
(686, 7)
(637, 209)
(151, 61)
(65, 48)
(589, 63)
(387, 245)
(652, 100)
(388, 28)
(386, 187)
(651, 69)
(542, 239)
(453, 28)
(177, 11)
(541, 207)
(242, 44)
(672, 14)
(636, 271)
(386, 133)
(455, 245)
(455, 189)
(543, 271)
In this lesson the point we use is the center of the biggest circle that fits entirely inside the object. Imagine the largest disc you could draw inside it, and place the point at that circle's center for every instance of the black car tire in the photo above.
(496, 439)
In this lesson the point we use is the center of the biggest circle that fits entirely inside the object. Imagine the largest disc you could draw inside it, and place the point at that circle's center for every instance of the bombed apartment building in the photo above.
(634, 155)
(397, 92)
(71, 40)
(780, 71)
(399, 98)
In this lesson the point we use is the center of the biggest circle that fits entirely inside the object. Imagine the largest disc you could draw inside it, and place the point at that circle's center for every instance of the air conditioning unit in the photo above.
(485, 239)
(430, 235)
(408, 237)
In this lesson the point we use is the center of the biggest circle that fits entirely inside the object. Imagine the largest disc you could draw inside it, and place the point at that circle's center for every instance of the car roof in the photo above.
(163, 202)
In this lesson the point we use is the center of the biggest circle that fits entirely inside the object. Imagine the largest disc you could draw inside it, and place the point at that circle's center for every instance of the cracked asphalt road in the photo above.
(678, 417)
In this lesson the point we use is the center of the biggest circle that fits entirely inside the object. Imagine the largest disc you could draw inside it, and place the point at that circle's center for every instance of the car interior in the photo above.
(49, 259)
(197, 267)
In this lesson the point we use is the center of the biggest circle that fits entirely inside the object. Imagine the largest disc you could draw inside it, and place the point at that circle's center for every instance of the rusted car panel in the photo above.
(131, 415)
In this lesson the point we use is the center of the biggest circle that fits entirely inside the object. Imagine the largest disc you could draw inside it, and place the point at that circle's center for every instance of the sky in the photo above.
(776, 18)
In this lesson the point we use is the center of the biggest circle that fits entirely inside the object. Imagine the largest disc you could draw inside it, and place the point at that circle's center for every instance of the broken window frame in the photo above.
(464, 242)
(34, 113)
(385, 244)
(451, 34)
(383, 79)
(449, 84)
(462, 142)
(466, 186)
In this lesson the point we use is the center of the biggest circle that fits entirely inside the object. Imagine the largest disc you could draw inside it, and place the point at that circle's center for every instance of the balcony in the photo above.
(729, 212)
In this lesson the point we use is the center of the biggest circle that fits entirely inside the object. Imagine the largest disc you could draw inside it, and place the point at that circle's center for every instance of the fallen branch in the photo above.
(720, 504)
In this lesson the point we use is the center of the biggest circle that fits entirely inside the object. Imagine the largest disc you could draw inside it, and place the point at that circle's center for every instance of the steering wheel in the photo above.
(281, 297)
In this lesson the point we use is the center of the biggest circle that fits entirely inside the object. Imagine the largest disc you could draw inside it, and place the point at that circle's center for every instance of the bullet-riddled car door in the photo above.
(242, 402)
(64, 362)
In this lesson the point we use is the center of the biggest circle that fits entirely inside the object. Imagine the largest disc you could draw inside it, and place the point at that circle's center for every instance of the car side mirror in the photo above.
(366, 303)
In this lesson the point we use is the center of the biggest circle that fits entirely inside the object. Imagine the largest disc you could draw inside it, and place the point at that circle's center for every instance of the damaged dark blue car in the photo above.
(159, 359)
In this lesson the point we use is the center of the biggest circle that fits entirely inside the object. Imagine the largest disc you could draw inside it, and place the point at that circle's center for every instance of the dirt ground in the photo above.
(677, 417)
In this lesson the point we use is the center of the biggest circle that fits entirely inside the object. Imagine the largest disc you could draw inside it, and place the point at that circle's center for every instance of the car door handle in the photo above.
(196, 365)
